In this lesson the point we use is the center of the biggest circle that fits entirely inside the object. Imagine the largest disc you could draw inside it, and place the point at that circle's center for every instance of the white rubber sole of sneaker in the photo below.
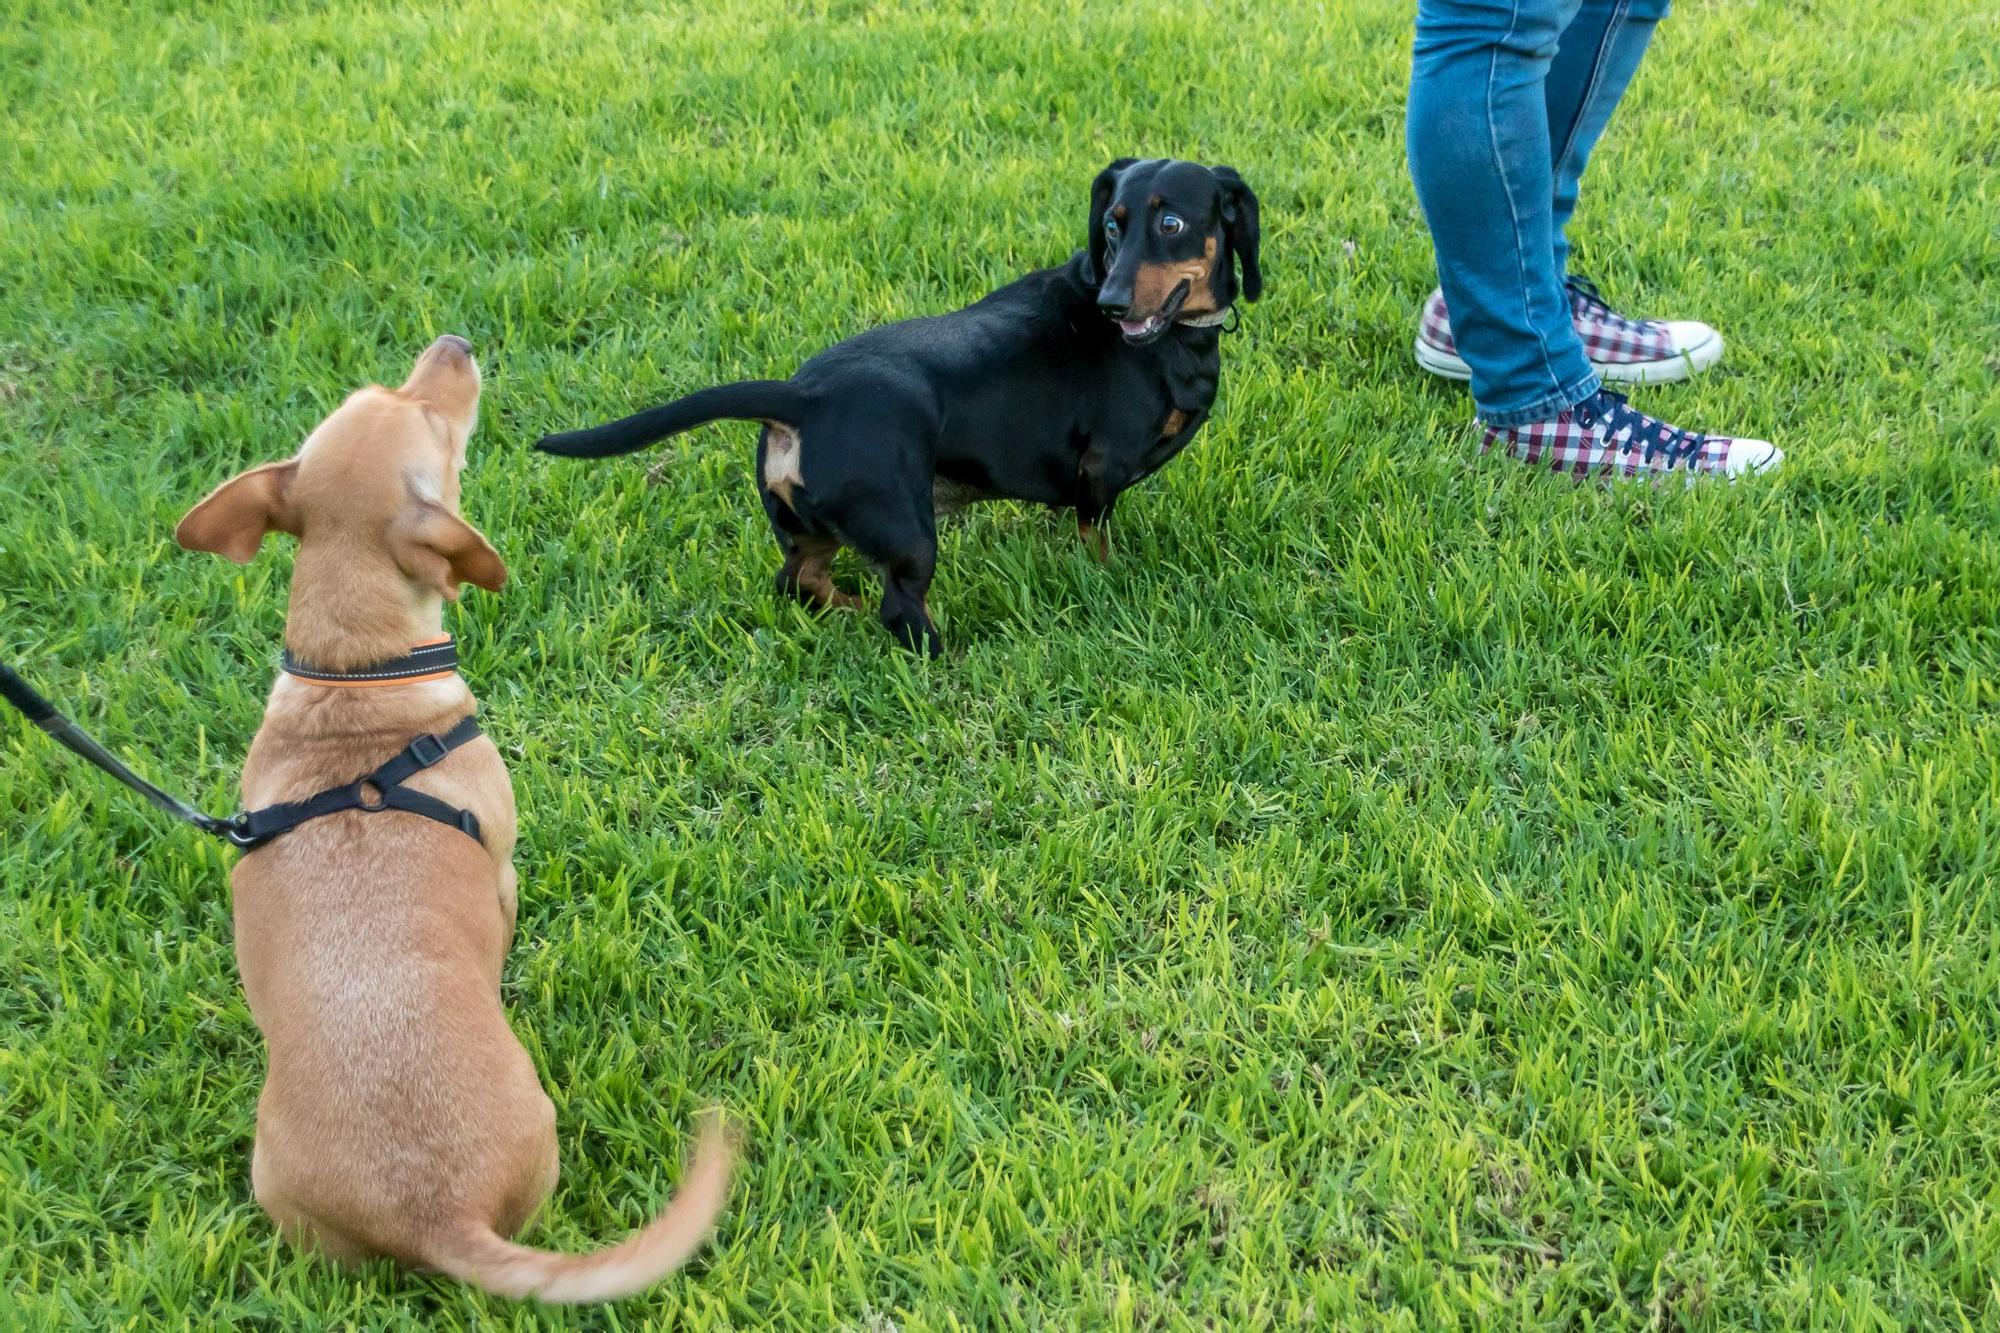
(1753, 458)
(1692, 360)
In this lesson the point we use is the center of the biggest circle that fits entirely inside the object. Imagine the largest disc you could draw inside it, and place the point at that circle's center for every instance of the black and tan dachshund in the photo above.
(1065, 388)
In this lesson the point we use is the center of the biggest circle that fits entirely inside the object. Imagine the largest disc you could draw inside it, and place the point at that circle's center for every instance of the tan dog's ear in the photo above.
(441, 550)
(232, 521)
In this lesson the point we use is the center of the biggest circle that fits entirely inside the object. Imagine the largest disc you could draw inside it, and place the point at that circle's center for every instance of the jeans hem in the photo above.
(1542, 409)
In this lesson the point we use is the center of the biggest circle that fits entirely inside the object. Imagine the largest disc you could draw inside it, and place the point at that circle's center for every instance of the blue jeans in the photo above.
(1507, 98)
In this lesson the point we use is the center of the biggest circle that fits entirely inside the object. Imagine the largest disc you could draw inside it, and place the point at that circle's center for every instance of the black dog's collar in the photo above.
(1213, 320)
(427, 661)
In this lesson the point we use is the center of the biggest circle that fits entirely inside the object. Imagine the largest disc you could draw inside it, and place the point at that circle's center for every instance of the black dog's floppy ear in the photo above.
(1241, 225)
(1101, 191)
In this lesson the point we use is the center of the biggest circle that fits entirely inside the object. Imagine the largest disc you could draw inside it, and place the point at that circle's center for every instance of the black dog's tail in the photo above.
(749, 400)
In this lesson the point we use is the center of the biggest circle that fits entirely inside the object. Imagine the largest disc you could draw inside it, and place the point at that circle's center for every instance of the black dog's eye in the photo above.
(1171, 224)
(1111, 228)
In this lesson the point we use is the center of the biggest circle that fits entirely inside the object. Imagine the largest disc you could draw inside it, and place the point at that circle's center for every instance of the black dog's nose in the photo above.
(1114, 298)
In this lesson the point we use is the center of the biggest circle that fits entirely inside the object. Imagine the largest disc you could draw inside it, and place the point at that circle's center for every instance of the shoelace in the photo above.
(1609, 411)
(1585, 290)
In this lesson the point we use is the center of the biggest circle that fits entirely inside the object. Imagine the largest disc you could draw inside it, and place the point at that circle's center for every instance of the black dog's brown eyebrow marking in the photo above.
(1121, 212)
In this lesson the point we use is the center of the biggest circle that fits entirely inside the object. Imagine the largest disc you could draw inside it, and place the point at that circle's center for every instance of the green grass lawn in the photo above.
(1399, 891)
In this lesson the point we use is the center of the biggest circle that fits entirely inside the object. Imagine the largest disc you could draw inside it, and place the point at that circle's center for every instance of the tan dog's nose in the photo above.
(447, 378)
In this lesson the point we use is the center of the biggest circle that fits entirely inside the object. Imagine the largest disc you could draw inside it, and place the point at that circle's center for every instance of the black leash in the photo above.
(380, 790)
(75, 739)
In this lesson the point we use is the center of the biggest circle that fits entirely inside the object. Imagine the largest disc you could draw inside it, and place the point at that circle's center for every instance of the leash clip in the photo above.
(236, 830)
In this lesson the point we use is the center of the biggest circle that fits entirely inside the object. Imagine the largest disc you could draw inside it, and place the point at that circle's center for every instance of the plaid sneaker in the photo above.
(1623, 351)
(1605, 436)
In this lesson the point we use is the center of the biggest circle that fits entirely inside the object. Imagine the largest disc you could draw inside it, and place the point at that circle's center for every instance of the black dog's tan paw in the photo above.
(1097, 539)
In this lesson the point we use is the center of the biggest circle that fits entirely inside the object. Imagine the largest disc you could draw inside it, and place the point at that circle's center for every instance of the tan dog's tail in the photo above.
(485, 1260)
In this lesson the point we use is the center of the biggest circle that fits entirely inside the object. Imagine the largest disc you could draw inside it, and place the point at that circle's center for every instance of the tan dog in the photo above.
(400, 1116)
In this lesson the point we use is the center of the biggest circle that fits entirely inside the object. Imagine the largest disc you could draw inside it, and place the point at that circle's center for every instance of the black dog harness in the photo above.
(382, 789)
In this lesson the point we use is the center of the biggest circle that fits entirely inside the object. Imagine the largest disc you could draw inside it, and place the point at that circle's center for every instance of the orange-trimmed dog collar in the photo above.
(433, 660)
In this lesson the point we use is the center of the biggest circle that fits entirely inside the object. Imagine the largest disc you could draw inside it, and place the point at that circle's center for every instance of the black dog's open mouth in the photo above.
(1141, 331)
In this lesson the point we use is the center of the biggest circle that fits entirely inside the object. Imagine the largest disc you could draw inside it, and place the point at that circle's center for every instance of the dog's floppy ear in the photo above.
(232, 521)
(1101, 191)
(437, 548)
(1241, 226)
